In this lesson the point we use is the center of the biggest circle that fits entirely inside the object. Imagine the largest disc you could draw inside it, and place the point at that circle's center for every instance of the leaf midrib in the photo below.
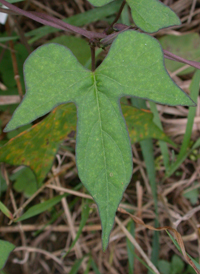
(102, 140)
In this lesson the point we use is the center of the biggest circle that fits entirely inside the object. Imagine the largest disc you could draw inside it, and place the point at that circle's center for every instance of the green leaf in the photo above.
(25, 181)
(37, 146)
(37, 209)
(192, 195)
(141, 126)
(186, 46)
(103, 154)
(148, 15)
(177, 265)
(152, 15)
(5, 249)
(164, 267)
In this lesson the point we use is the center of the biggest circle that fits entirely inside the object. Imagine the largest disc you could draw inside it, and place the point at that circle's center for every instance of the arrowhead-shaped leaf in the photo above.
(148, 15)
(133, 67)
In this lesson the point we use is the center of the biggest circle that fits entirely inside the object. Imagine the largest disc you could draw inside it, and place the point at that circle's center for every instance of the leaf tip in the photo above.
(105, 241)
(8, 127)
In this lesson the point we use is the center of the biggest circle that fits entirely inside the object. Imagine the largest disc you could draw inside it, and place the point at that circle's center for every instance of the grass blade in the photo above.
(39, 208)
(194, 88)
(163, 145)
(6, 211)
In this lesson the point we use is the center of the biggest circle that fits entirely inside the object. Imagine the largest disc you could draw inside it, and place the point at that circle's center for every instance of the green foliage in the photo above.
(152, 15)
(192, 194)
(148, 15)
(103, 152)
(5, 249)
(39, 208)
(25, 182)
(176, 266)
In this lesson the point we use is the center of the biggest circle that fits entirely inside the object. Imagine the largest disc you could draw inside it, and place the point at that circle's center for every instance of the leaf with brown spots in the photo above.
(141, 126)
(37, 146)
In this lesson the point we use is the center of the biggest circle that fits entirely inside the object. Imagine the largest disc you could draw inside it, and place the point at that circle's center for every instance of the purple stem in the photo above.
(60, 23)
(174, 57)
(56, 23)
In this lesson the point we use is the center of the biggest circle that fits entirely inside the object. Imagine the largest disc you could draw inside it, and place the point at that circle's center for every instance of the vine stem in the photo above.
(117, 16)
(92, 48)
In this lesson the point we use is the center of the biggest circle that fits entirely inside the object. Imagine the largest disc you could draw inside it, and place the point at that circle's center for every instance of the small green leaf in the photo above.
(5, 249)
(133, 67)
(192, 195)
(148, 15)
(25, 182)
(164, 267)
(152, 15)
(39, 208)
(6, 211)
(177, 265)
